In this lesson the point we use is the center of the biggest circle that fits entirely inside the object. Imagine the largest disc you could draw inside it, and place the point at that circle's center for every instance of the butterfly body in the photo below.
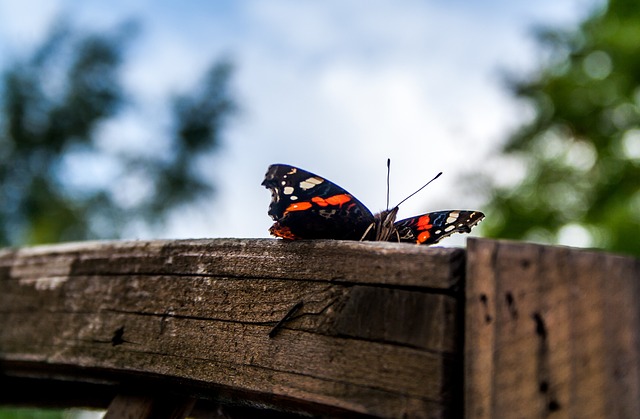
(307, 206)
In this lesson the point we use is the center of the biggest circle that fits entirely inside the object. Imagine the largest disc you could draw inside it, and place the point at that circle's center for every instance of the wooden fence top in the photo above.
(323, 328)
(198, 316)
(322, 260)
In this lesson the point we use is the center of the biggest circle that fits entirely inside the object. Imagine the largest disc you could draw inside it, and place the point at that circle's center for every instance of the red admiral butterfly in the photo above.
(307, 206)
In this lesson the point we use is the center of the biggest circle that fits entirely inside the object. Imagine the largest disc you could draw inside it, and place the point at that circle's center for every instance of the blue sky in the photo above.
(335, 87)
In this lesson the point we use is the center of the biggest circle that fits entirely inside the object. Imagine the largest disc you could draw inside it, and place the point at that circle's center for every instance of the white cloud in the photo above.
(339, 86)
(23, 23)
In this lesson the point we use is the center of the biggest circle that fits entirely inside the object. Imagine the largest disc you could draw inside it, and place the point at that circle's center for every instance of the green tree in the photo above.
(53, 104)
(582, 147)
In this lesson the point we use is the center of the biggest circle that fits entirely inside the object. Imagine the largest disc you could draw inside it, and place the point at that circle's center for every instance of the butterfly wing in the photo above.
(430, 228)
(307, 206)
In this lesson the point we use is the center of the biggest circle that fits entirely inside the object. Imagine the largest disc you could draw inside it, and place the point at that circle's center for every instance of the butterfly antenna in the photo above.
(421, 188)
(388, 175)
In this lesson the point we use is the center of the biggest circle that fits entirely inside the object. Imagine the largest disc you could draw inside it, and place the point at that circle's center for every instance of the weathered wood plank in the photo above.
(376, 333)
(551, 331)
(320, 260)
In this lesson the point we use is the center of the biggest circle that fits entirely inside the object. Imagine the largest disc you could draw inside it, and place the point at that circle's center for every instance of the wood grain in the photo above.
(551, 332)
(377, 333)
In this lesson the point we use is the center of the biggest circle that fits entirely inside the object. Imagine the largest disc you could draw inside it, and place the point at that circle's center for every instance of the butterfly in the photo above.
(307, 206)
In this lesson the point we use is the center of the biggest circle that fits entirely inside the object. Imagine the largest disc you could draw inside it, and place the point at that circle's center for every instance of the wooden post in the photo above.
(551, 332)
(364, 328)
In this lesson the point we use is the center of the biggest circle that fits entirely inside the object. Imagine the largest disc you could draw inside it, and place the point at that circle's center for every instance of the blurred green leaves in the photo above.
(29, 413)
(581, 149)
(54, 104)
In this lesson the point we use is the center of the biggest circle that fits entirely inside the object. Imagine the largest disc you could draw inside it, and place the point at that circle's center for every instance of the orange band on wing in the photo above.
(298, 206)
(283, 232)
(423, 237)
(332, 200)
(424, 225)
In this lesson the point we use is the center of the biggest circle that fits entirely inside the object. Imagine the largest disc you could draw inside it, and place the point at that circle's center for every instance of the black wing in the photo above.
(307, 206)
(431, 227)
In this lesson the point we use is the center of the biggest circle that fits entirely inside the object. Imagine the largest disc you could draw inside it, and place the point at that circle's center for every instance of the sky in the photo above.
(334, 87)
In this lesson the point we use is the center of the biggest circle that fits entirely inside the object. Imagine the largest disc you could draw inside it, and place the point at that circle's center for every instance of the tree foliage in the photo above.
(54, 103)
(582, 148)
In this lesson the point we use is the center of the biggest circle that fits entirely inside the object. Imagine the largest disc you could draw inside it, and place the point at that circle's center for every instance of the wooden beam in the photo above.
(159, 406)
(376, 330)
(551, 332)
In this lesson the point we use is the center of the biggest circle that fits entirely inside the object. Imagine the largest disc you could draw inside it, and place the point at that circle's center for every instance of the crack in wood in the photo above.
(284, 319)
(543, 368)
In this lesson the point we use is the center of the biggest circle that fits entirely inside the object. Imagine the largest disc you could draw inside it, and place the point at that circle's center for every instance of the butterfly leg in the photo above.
(367, 231)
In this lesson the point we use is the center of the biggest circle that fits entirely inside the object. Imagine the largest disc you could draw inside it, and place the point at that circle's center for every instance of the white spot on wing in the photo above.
(453, 217)
(449, 228)
(293, 197)
(288, 190)
(311, 182)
